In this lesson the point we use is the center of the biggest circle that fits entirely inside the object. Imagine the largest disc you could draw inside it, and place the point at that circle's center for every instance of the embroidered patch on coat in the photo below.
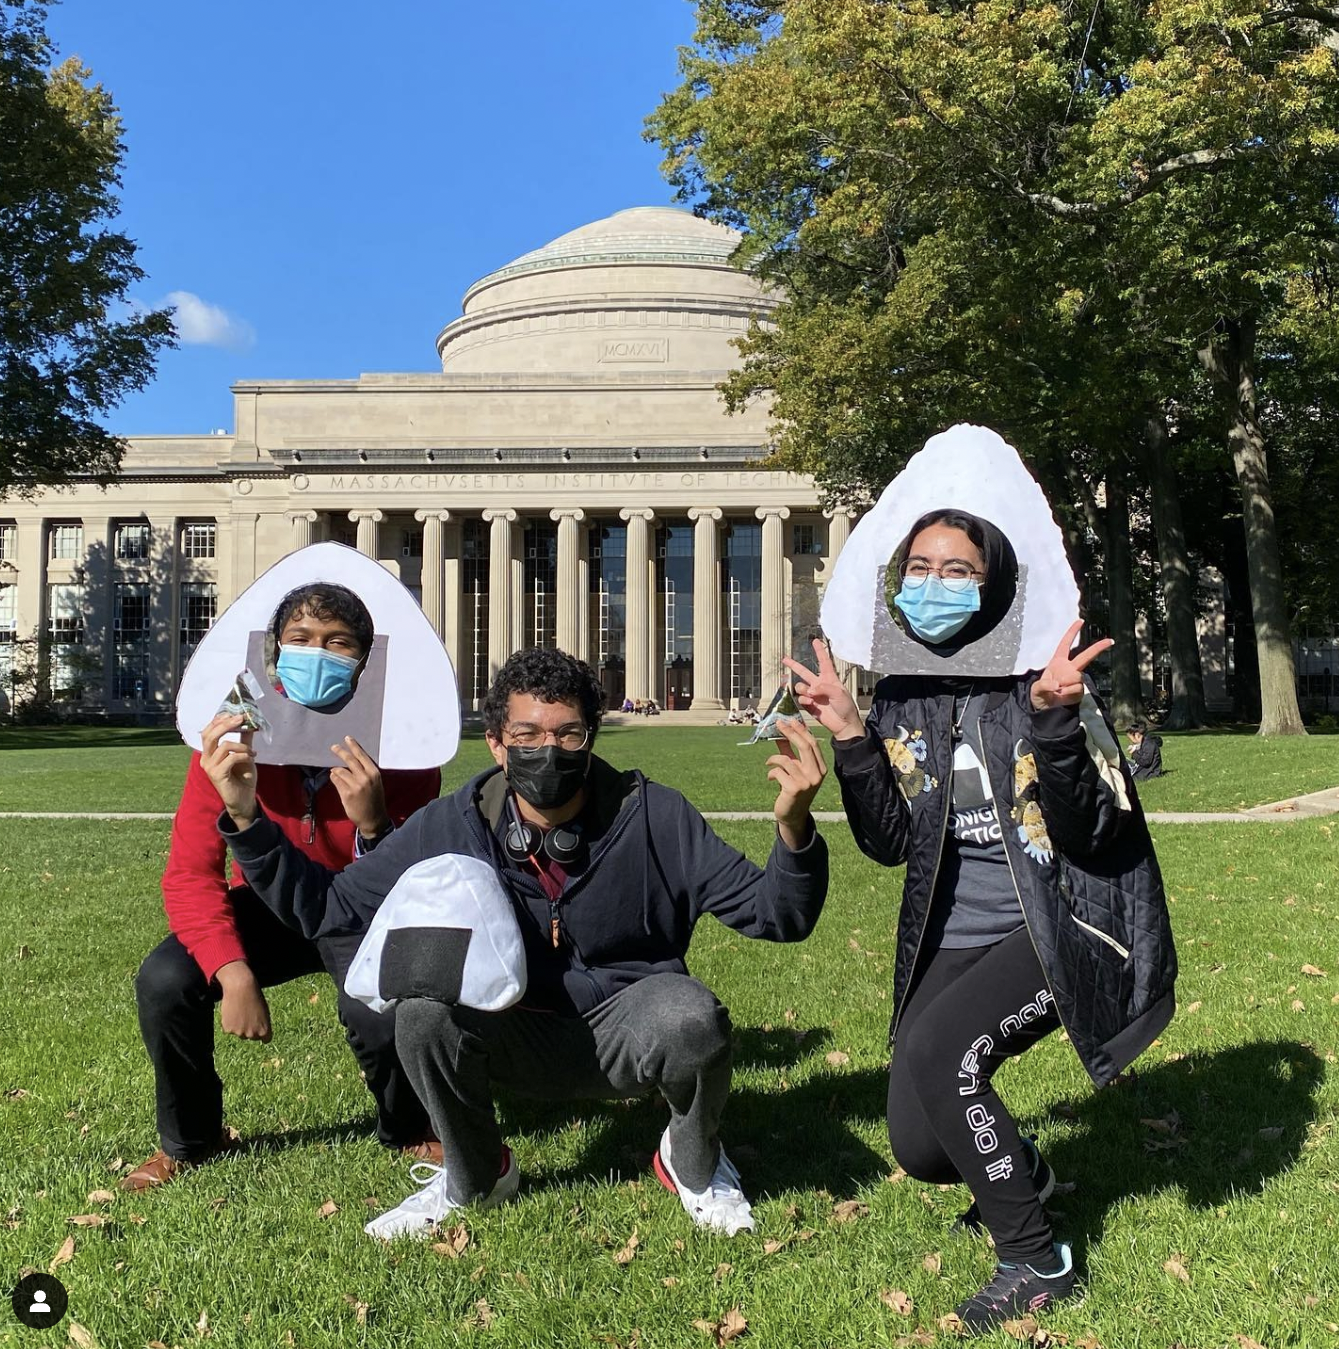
(1026, 812)
(907, 752)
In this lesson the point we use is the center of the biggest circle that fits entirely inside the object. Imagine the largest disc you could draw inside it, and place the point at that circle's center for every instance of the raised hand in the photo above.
(1060, 684)
(798, 774)
(824, 696)
(231, 766)
(359, 786)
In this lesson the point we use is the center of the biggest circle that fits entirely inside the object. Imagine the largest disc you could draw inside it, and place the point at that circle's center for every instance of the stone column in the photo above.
(583, 589)
(31, 561)
(303, 523)
(452, 543)
(367, 522)
(99, 636)
(572, 596)
(517, 587)
(706, 610)
(639, 632)
(433, 568)
(839, 530)
(500, 523)
(775, 638)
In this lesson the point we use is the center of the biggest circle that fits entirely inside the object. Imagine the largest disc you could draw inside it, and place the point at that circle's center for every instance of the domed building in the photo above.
(570, 478)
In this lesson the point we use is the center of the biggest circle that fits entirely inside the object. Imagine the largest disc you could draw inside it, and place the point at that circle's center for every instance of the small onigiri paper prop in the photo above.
(968, 468)
(446, 931)
(405, 711)
(783, 707)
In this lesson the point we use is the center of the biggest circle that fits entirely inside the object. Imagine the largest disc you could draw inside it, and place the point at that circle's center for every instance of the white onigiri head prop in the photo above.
(972, 469)
(405, 710)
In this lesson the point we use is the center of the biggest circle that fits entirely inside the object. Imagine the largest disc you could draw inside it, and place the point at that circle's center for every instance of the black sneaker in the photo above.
(1016, 1290)
(969, 1223)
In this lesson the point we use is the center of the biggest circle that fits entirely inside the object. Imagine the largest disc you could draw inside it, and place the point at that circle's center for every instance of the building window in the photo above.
(199, 608)
(674, 580)
(132, 541)
(474, 599)
(609, 605)
(65, 628)
(67, 541)
(412, 543)
(541, 583)
(130, 642)
(9, 623)
(9, 541)
(197, 538)
(742, 568)
(805, 540)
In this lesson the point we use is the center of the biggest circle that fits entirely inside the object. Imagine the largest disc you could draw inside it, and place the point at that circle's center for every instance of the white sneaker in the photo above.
(720, 1206)
(421, 1212)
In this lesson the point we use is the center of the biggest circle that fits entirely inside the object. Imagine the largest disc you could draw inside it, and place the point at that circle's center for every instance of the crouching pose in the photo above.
(1032, 900)
(606, 874)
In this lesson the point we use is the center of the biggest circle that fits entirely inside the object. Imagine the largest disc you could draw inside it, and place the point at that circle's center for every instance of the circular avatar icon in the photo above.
(40, 1300)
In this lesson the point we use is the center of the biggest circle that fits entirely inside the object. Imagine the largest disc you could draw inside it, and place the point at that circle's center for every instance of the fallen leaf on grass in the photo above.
(101, 1197)
(896, 1177)
(1176, 1267)
(722, 1271)
(951, 1324)
(1247, 1343)
(670, 1282)
(914, 1340)
(360, 1309)
(730, 1327)
(89, 1220)
(932, 1262)
(848, 1210)
(155, 1344)
(1022, 1329)
(17, 1094)
(1194, 1007)
(484, 1315)
(836, 1058)
(82, 1336)
(624, 1256)
(62, 1256)
(455, 1240)
(1297, 1005)
(1314, 972)
(328, 1209)
(137, 1218)
(314, 999)
(897, 1300)
(202, 1325)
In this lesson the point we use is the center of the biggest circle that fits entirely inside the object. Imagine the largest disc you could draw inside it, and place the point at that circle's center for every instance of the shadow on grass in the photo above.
(87, 737)
(1211, 1126)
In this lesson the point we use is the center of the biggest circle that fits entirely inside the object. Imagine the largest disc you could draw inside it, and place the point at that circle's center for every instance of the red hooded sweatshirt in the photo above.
(195, 882)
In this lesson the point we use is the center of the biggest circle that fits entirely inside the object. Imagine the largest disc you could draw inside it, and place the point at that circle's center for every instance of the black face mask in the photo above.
(547, 777)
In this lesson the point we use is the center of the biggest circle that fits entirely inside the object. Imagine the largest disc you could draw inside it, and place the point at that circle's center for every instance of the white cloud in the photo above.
(202, 324)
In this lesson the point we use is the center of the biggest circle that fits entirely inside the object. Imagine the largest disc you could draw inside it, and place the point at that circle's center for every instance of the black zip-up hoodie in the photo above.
(655, 868)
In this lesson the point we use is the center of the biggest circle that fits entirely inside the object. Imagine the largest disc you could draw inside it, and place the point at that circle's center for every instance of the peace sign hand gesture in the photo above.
(1060, 684)
(824, 696)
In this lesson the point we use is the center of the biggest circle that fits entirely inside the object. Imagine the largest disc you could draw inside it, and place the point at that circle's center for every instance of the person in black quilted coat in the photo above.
(1032, 901)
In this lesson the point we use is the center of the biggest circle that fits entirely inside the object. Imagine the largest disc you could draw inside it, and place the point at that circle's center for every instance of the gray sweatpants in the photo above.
(665, 1033)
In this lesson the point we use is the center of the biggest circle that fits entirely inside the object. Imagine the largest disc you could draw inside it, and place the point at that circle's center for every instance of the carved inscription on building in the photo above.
(631, 350)
(363, 483)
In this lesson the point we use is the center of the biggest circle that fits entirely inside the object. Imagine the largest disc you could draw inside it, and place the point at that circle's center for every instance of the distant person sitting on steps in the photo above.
(1145, 752)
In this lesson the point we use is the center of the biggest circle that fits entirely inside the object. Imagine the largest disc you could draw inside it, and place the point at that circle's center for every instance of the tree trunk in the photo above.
(1178, 582)
(1233, 364)
(1126, 704)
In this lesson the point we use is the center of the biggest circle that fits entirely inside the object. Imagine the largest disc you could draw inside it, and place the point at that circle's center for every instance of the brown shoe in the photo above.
(429, 1150)
(160, 1168)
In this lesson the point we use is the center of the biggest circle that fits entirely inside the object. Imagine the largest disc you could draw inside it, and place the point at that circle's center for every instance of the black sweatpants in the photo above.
(176, 1018)
(968, 1012)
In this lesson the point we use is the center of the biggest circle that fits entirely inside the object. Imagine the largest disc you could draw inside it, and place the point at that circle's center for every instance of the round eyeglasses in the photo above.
(571, 737)
(955, 576)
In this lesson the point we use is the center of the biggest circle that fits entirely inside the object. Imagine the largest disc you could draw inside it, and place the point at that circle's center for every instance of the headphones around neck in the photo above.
(562, 844)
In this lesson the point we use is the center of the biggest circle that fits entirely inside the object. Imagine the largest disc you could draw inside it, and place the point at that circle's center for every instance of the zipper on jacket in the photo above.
(934, 881)
(1101, 936)
(309, 819)
(994, 796)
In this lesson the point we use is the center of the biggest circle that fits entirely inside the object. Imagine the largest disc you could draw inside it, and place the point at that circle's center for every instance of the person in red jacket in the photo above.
(226, 947)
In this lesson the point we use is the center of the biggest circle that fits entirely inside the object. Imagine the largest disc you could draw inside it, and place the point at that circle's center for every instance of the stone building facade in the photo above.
(569, 478)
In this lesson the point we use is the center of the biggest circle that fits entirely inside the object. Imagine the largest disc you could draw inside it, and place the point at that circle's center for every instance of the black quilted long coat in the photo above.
(1074, 835)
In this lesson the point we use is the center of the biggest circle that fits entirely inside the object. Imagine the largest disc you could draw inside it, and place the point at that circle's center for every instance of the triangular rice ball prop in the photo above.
(447, 932)
(406, 709)
(783, 707)
(968, 468)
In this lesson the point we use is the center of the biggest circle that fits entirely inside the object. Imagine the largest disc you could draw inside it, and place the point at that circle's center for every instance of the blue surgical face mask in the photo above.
(313, 676)
(936, 613)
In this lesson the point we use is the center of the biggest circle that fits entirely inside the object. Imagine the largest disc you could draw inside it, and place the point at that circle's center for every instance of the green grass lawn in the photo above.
(1219, 1154)
(83, 768)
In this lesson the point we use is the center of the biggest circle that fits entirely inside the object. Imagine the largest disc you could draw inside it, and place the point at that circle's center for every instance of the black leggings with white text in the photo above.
(968, 1012)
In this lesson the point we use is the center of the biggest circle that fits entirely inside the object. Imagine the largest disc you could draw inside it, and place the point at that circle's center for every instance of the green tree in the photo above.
(68, 352)
(1021, 213)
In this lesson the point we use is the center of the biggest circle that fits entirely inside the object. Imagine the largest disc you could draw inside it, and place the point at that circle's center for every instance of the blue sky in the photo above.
(317, 184)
